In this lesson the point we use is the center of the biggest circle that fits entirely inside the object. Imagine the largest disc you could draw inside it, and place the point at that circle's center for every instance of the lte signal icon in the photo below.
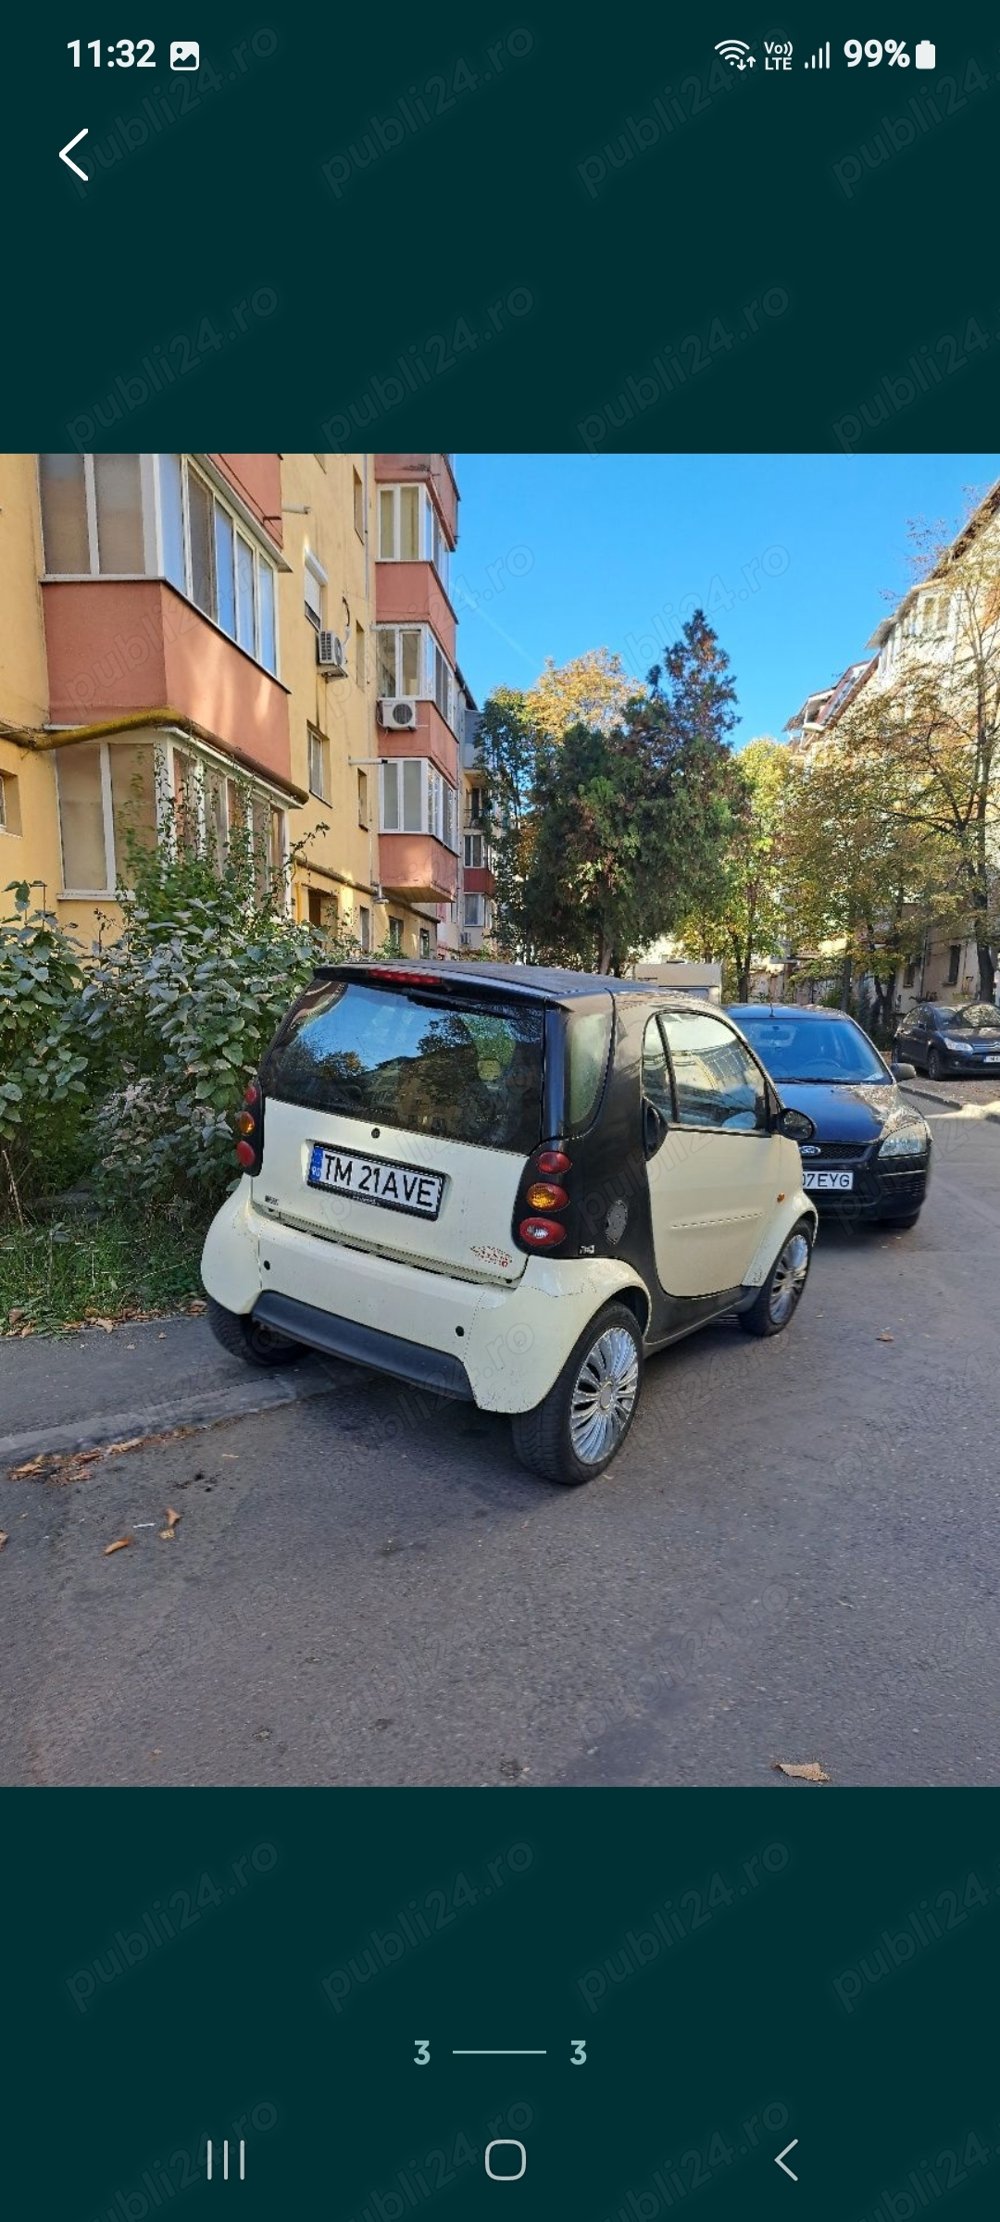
(926, 54)
(777, 54)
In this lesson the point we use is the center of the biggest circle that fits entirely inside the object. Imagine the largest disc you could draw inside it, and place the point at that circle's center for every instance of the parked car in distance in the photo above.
(939, 1040)
(510, 1185)
(870, 1156)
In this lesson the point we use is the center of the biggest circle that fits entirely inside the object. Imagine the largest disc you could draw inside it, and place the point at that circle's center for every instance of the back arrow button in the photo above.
(779, 2159)
(64, 154)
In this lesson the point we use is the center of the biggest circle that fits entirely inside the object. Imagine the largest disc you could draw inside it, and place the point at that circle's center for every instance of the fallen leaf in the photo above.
(31, 1466)
(167, 1533)
(107, 1324)
(804, 1770)
(198, 1305)
(121, 1545)
(3, 1539)
(15, 1313)
(885, 1338)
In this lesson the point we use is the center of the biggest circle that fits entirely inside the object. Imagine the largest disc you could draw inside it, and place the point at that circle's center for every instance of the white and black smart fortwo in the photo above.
(509, 1185)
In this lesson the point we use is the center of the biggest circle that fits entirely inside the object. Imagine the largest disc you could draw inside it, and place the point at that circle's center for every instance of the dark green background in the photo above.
(487, 197)
(740, 2015)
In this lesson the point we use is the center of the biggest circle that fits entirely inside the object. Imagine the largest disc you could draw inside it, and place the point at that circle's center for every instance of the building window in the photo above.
(314, 582)
(475, 804)
(473, 910)
(205, 554)
(360, 665)
(396, 936)
(10, 805)
(92, 514)
(400, 659)
(910, 974)
(359, 505)
(954, 960)
(322, 909)
(364, 927)
(410, 530)
(474, 851)
(319, 765)
(411, 662)
(116, 796)
(416, 799)
(425, 941)
(363, 799)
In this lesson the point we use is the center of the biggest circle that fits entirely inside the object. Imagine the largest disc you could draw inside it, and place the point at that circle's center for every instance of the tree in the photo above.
(620, 831)
(857, 874)
(743, 916)
(509, 746)
(592, 690)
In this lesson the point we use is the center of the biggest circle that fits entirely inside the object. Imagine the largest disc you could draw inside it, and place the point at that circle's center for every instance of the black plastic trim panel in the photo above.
(363, 1346)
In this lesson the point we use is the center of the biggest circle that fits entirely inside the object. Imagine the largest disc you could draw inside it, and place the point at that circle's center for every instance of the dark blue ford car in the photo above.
(870, 1156)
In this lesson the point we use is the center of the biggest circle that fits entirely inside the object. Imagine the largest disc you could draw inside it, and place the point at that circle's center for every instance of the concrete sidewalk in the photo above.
(71, 1392)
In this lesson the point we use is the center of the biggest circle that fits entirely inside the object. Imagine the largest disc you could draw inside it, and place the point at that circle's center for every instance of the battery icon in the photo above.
(926, 54)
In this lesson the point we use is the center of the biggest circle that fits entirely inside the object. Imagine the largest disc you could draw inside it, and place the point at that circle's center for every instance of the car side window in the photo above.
(718, 1083)
(656, 1072)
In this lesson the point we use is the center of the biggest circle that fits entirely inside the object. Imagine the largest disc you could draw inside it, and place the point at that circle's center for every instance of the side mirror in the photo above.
(903, 1072)
(797, 1125)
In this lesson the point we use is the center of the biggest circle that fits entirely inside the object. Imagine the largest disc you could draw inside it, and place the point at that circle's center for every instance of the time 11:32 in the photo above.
(127, 53)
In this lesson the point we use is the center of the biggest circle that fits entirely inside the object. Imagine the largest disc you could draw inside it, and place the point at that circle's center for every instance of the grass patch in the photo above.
(65, 1274)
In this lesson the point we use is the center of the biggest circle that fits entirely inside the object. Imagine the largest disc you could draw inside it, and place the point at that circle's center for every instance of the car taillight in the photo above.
(539, 1196)
(249, 1124)
(541, 1234)
(546, 1195)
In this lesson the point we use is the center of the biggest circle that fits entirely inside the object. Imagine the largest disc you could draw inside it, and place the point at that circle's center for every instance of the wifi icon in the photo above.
(736, 52)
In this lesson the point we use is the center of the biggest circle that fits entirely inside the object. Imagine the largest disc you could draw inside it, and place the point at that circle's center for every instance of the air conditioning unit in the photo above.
(378, 892)
(465, 941)
(331, 655)
(398, 712)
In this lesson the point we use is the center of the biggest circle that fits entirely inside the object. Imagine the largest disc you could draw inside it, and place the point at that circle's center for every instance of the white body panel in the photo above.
(469, 1236)
(713, 1197)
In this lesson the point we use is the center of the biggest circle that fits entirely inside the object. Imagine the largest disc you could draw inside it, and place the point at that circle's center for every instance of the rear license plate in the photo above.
(376, 1180)
(819, 1178)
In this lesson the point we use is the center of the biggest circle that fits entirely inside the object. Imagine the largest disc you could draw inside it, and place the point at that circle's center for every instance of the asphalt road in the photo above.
(797, 1558)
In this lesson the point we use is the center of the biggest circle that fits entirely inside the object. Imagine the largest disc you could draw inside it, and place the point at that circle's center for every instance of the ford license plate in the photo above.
(819, 1177)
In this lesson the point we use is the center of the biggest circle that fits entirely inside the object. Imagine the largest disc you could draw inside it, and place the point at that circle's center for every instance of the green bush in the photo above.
(45, 1050)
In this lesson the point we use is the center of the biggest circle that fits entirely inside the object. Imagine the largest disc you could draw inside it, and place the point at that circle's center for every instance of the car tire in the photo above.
(249, 1339)
(935, 1063)
(555, 1439)
(779, 1299)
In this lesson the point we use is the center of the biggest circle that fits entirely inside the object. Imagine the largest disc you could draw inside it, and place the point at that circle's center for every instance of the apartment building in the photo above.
(262, 641)
(420, 702)
(477, 905)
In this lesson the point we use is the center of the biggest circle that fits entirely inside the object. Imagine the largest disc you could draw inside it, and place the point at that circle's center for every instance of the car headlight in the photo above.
(965, 1048)
(912, 1139)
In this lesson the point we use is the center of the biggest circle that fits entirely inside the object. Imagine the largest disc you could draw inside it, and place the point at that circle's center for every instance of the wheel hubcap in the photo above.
(789, 1279)
(604, 1395)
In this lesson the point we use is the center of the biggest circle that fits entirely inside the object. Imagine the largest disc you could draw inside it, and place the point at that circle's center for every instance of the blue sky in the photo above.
(791, 556)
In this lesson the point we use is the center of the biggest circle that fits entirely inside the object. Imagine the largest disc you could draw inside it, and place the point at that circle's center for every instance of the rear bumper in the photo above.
(501, 1346)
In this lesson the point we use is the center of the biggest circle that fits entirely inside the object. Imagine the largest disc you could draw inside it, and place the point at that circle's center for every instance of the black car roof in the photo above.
(553, 983)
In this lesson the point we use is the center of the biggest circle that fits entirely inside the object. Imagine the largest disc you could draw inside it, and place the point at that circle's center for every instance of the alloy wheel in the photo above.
(789, 1278)
(604, 1395)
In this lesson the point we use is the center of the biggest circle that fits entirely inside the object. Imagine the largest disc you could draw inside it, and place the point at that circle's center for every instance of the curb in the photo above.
(207, 1410)
(952, 1103)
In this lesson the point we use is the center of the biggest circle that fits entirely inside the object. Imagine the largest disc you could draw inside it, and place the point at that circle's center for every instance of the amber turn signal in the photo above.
(245, 1122)
(544, 1195)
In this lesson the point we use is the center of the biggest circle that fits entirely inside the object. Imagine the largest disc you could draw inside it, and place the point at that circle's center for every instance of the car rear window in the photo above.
(468, 1070)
